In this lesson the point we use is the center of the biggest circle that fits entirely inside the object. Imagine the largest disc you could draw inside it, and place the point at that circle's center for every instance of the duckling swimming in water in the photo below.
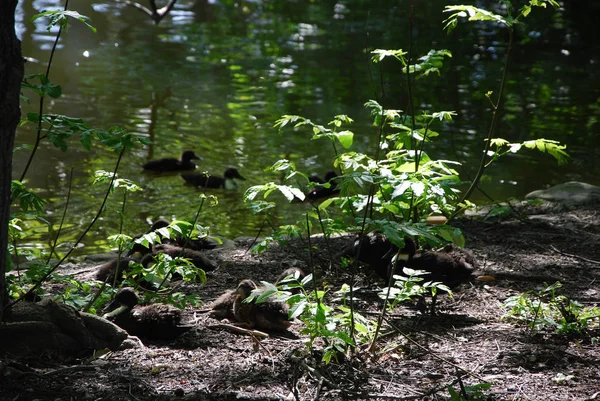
(171, 164)
(212, 181)
(268, 316)
(153, 322)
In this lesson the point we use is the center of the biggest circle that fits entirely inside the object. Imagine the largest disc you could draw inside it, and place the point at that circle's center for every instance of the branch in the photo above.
(156, 14)
(492, 129)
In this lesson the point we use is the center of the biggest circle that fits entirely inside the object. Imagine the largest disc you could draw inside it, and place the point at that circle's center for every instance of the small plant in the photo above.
(328, 326)
(59, 130)
(544, 309)
(475, 392)
(410, 286)
(561, 378)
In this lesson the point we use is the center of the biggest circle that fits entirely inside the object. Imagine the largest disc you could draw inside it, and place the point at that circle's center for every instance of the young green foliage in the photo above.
(545, 309)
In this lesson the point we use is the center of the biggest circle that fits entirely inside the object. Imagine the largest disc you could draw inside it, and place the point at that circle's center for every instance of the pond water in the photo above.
(214, 77)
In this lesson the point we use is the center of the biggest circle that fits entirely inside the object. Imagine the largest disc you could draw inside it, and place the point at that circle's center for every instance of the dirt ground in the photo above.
(417, 357)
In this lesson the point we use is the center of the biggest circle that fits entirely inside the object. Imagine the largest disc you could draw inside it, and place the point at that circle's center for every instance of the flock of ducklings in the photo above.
(184, 163)
(450, 266)
(227, 181)
(164, 322)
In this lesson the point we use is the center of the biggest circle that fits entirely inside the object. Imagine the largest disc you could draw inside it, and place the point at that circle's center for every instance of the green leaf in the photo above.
(59, 17)
(54, 91)
(430, 63)
(33, 117)
(472, 14)
(260, 206)
(345, 138)
(551, 147)
(380, 54)
(287, 119)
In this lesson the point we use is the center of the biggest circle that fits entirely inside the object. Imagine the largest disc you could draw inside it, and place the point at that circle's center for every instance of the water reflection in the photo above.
(215, 77)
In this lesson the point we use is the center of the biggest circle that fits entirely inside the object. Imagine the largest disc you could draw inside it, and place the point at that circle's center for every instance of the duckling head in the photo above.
(245, 287)
(189, 155)
(159, 223)
(232, 173)
(125, 300)
(330, 175)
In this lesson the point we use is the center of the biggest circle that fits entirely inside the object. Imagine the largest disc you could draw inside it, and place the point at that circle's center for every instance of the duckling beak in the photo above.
(115, 308)
(239, 176)
(196, 157)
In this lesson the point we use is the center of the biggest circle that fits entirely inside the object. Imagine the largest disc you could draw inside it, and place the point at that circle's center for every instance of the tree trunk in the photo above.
(11, 75)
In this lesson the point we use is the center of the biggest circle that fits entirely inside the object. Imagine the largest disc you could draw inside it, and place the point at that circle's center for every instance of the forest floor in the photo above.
(417, 356)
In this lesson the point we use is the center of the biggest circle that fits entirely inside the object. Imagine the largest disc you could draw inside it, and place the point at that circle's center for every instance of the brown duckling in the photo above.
(114, 267)
(154, 322)
(320, 191)
(198, 244)
(142, 249)
(377, 251)
(268, 316)
(450, 266)
(222, 307)
(294, 276)
(171, 164)
(197, 258)
(213, 181)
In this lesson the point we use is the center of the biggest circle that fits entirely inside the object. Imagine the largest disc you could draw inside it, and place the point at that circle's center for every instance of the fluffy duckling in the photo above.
(212, 181)
(451, 266)
(142, 249)
(222, 307)
(319, 192)
(197, 258)
(115, 267)
(377, 251)
(153, 322)
(171, 164)
(268, 316)
(291, 277)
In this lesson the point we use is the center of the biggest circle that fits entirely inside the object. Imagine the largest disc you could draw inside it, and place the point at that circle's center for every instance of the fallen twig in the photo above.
(597, 262)
(239, 330)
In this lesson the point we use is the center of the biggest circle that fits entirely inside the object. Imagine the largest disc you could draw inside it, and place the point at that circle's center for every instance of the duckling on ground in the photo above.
(114, 268)
(294, 276)
(143, 249)
(222, 307)
(197, 244)
(451, 266)
(212, 181)
(153, 322)
(197, 258)
(172, 164)
(377, 251)
(320, 191)
(268, 316)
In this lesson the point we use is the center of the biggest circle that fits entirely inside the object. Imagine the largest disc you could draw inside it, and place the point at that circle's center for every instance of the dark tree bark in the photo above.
(11, 75)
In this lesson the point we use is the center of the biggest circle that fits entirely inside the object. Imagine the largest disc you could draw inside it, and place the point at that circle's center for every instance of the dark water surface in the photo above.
(215, 77)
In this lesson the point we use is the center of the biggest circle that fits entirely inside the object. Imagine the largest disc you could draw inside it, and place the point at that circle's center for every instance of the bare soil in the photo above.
(417, 357)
